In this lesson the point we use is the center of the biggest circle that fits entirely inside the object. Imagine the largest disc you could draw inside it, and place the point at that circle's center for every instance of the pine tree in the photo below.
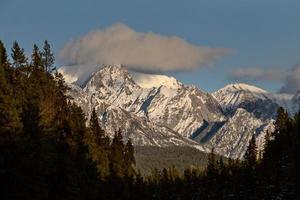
(212, 168)
(36, 59)
(3, 54)
(9, 119)
(281, 122)
(117, 156)
(48, 57)
(97, 131)
(267, 140)
(129, 160)
(18, 56)
(61, 86)
(250, 156)
(97, 151)
(31, 117)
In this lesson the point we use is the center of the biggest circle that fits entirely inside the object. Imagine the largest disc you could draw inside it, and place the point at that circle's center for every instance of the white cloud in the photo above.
(119, 44)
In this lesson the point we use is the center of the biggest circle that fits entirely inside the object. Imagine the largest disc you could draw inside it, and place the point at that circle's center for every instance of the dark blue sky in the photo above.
(263, 33)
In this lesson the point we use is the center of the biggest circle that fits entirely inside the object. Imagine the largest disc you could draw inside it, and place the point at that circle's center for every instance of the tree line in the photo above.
(48, 152)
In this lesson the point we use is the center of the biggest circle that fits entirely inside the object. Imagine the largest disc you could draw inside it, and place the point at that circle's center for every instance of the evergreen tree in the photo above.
(18, 56)
(61, 99)
(9, 119)
(281, 122)
(48, 57)
(96, 130)
(31, 117)
(36, 59)
(129, 160)
(117, 155)
(212, 168)
(9, 73)
(97, 152)
(3, 54)
(62, 87)
(266, 141)
(250, 156)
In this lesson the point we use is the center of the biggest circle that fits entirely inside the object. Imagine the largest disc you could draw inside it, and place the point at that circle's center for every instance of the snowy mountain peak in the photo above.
(242, 87)
(233, 95)
(111, 78)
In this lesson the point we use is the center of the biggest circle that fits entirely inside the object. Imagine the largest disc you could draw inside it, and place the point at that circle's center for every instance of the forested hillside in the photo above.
(48, 152)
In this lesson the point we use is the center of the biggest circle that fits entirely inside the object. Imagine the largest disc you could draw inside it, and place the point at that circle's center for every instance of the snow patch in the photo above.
(155, 80)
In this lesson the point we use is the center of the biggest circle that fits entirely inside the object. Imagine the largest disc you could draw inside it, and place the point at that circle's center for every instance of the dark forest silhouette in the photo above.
(48, 152)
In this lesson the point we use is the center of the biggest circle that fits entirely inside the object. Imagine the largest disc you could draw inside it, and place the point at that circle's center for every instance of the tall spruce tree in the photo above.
(9, 119)
(250, 156)
(212, 167)
(97, 152)
(36, 59)
(129, 160)
(96, 130)
(117, 156)
(3, 54)
(18, 56)
(48, 57)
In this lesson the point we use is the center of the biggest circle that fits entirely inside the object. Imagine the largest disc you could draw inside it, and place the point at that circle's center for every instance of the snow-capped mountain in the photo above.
(163, 115)
(181, 108)
(231, 96)
(253, 99)
(159, 110)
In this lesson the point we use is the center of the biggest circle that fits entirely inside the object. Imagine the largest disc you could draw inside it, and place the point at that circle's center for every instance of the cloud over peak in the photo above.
(139, 51)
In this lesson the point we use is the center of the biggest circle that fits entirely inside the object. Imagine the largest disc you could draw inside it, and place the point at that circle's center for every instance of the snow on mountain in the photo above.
(230, 138)
(159, 110)
(155, 80)
(76, 75)
(182, 108)
(231, 96)
(253, 99)
(147, 115)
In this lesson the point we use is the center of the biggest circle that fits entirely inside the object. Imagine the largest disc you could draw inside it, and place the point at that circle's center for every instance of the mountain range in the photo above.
(160, 111)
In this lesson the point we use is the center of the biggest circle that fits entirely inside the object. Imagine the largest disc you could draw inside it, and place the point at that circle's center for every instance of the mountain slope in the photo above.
(230, 138)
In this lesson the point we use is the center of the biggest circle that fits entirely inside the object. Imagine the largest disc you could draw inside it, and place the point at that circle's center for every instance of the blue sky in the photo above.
(264, 34)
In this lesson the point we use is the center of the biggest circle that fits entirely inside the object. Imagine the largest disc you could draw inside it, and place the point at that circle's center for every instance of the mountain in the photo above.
(253, 99)
(160, 111)
(232, 95)
(180, 108)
